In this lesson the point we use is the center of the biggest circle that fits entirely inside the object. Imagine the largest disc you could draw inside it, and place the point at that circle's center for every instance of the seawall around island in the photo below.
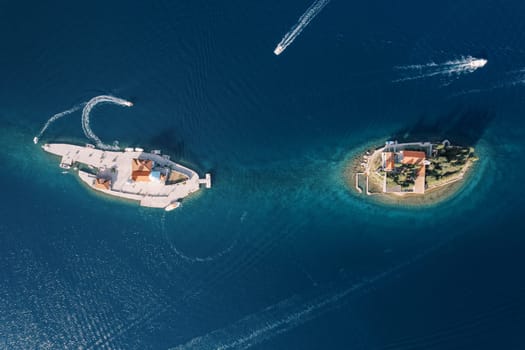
(409, 174)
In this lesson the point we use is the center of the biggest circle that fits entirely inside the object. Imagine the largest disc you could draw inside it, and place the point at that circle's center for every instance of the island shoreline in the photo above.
(356, 165)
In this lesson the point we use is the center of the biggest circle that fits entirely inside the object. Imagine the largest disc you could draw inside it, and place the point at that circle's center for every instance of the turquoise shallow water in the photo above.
(278, 254)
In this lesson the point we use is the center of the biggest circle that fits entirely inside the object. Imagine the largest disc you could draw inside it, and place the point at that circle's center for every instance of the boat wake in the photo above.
(511, 79)
(195, 259)
(453, 68)
(517, 78)
(54, 118)
(88, 106)
(303, 21)
(292, 312)
(86, 118)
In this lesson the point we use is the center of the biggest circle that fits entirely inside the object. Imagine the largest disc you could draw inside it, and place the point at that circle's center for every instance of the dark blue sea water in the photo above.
(279, 254)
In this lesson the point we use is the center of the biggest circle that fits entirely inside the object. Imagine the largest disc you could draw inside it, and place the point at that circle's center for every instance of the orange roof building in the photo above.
(103, 184)
(413, 157)
(141, 169)
(141, 165)
(416, 158)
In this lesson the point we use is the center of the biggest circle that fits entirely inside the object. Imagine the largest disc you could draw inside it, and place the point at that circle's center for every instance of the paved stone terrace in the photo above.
(117, 166)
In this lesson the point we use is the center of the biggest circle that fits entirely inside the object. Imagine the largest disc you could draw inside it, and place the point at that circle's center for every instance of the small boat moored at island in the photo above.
(172, 206)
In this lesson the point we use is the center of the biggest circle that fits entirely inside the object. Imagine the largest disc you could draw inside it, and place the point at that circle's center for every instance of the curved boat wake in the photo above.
(303, 21)
(86, 118)
(54, 118)
(88, 106)
(464, 65)
(195, 259)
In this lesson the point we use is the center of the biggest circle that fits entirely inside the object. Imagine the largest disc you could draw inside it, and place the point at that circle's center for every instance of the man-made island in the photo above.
(412, 173)
(150, 178)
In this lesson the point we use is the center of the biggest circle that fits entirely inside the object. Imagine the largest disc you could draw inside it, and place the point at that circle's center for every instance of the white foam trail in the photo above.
(54, 118)
(303, 21)
(290, 313)
(513, 78)
(273, 320)
(464, 65)
(518, 79)
(86, 114)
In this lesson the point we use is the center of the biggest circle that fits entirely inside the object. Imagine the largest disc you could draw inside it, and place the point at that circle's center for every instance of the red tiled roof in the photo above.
(140, 169)
(141, 165)
(417, 158)
(413, 157)
(103, 183)
(140, 176)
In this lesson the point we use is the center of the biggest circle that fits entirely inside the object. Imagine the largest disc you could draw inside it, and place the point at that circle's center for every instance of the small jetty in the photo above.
(206, 181)
(149, 178)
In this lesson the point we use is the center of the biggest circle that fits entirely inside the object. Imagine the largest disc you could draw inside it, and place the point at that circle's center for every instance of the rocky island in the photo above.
(411, 173)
